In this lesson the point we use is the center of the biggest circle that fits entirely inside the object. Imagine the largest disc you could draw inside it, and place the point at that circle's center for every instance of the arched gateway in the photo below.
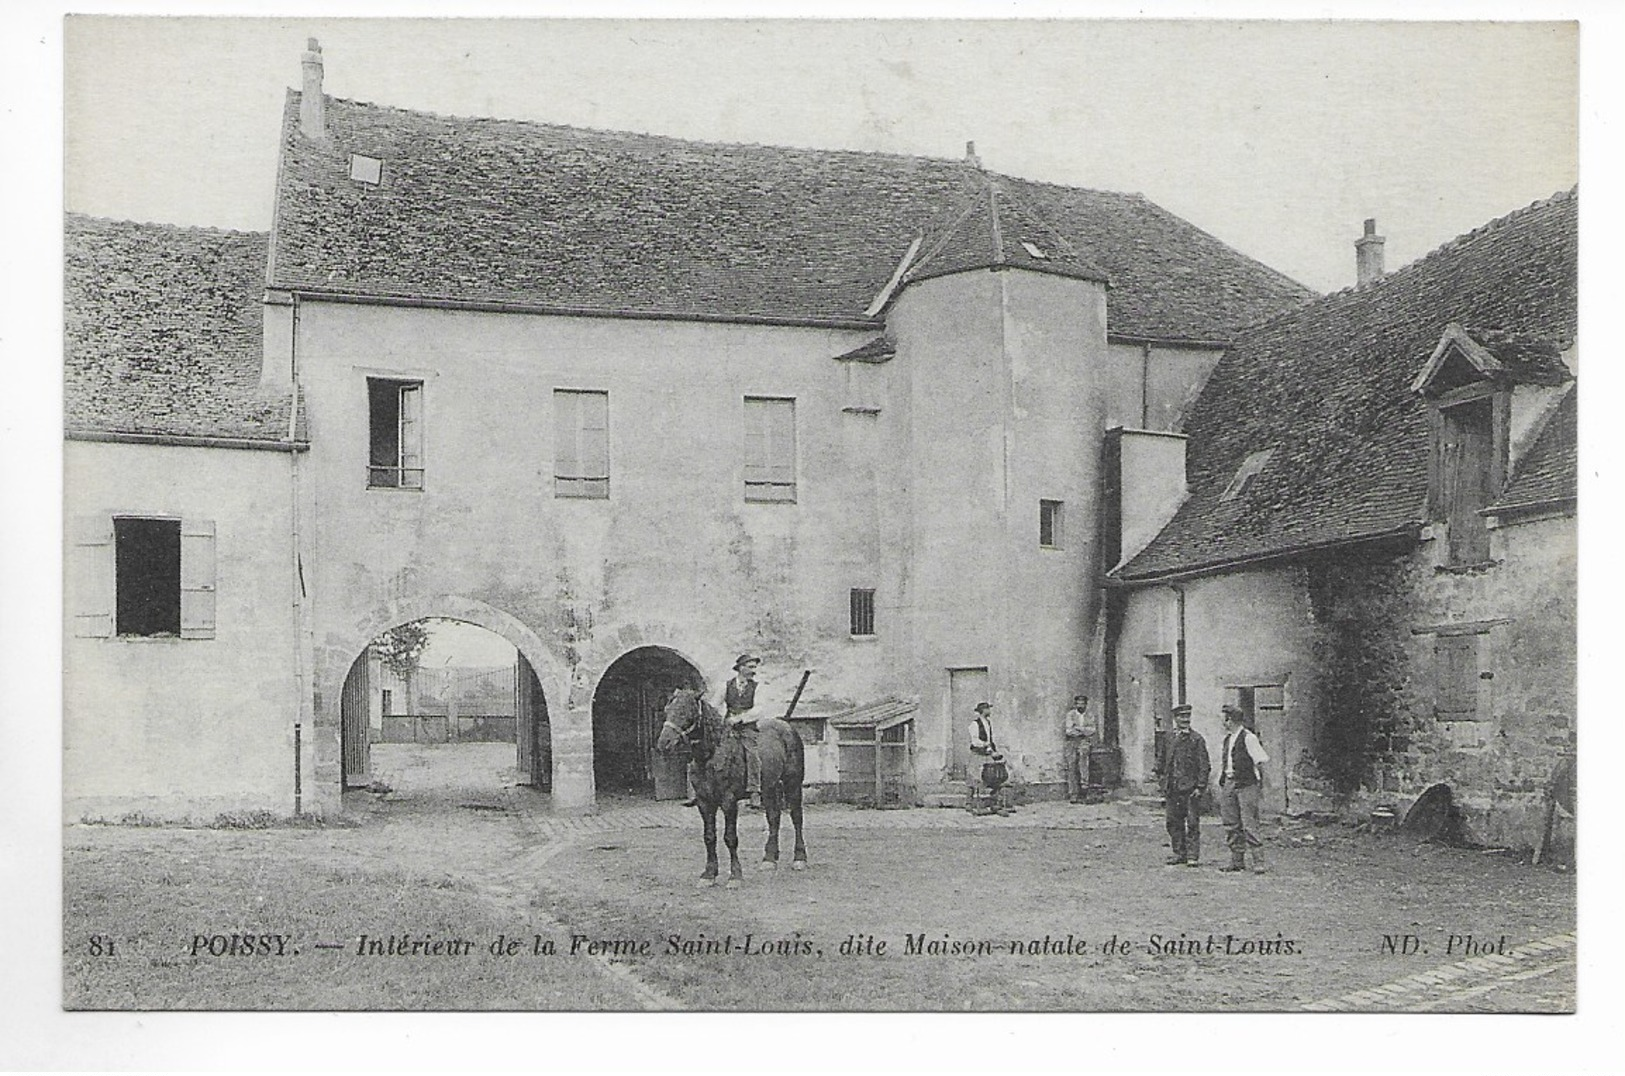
(627, 709)
(344, 695)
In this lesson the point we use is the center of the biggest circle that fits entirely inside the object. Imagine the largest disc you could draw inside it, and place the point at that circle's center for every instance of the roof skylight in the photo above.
(1245, 474)
(364, 169)
(1034, 250)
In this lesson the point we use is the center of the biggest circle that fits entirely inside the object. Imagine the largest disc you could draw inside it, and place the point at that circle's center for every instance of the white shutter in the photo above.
(782, 443)
(197, 579)
(92, 581)
(566, 460)
(594, 435)
(757, 460)
(411, 436)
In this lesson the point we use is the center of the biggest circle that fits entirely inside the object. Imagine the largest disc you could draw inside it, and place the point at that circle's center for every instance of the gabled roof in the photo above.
(163, 333)
(1493, 355)
(1329, 387)
(1547, 476)
(599, 222)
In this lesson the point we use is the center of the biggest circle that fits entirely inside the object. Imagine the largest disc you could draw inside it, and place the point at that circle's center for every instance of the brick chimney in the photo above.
(1368, 255)
(312, 105)
(970, 155)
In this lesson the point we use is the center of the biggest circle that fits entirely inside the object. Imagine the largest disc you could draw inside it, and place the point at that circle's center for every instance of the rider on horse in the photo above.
(738, 702)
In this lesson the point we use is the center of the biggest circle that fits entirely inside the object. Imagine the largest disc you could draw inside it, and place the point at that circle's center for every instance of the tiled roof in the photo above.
(163, 332)
(991, 227)
(505, 211)
(1548, 473)
(1328, 387)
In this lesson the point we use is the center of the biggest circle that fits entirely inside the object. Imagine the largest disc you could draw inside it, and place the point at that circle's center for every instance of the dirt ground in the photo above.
(1055, 908)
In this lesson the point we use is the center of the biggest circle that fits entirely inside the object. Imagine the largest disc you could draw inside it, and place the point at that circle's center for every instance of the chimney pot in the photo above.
(970, 155)
(1368, 255)
(312, 104)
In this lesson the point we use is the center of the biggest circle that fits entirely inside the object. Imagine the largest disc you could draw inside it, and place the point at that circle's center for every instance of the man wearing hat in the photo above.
(984, 750)
(739, 704)
(1240, 774)
(1183, 770)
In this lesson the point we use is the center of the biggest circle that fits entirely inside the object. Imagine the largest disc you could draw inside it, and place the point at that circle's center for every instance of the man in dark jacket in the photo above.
(1184, 769)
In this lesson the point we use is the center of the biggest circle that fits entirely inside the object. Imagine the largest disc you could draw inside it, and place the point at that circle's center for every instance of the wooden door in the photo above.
(966, 688)
(532, 728)
(1466, 473)
(1159, 700)
(354, 702)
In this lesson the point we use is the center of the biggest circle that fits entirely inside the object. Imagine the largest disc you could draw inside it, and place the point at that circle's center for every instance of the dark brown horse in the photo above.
(717, 770)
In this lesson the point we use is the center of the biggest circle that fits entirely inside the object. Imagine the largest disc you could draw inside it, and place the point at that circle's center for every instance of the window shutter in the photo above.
(93, 577)
(594, 443)
(411, 436)
(197, 579)
(782, 442)
(1456, 666)
(757, 460)
(566, 460)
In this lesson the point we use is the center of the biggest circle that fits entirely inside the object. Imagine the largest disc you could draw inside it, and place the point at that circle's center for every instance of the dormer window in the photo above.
(364, 169)
(1469, 390)
(1245, 474)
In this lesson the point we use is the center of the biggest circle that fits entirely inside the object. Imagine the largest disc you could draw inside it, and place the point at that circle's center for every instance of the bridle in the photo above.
(692, 737)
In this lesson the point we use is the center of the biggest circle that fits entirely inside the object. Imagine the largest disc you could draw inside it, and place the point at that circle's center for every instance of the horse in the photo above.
(717, 770)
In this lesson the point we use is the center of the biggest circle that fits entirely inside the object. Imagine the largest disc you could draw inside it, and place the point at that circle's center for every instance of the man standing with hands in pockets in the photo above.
(1184, 769)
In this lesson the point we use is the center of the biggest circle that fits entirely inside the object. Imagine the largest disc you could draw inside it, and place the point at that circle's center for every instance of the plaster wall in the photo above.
(674, 557)
(1151, 386)
(1241, 630)
(185, 728)
(1005, 406)
(1153, 485)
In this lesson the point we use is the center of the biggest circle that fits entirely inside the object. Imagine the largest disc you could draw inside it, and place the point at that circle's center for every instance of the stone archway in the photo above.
(627, 708)
(570, 731)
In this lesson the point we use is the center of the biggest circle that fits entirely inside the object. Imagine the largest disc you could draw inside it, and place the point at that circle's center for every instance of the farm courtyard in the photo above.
(456, 890)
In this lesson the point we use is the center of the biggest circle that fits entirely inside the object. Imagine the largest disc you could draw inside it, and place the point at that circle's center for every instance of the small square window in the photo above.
(364, 169)
(1049, 524)
(863, 612)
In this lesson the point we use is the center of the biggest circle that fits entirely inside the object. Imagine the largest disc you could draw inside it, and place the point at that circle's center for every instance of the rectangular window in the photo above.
(863, 612)
(387, 707)
(1456, 665)
(581, 444)
(770, 449)
(1049, 524)
(395, 447)
(147, 576)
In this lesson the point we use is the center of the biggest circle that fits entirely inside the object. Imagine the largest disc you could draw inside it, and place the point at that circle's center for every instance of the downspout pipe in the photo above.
(1179, 649)
(297, 571)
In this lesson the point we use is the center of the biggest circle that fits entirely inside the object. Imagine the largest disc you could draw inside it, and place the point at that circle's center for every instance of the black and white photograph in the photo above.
(915, 515)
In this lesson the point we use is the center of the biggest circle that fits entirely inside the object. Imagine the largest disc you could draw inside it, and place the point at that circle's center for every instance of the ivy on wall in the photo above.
(1361, 610)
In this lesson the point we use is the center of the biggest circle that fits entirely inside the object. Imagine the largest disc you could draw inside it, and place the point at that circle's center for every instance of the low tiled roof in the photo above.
(1328, 387)
(1547, 475)
(879, 349)
(505, 211)
(993, 228)
(163, 332)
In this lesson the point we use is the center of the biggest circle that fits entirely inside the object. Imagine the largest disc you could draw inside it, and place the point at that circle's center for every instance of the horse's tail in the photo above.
(795, 752)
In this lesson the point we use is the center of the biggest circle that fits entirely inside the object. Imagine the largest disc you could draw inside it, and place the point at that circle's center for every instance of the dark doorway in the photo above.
(627, 711)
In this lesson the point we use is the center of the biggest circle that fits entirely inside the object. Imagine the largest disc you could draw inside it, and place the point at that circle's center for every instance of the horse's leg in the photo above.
(770, 802)
(799, 863)
(708, 814)
(730, 837)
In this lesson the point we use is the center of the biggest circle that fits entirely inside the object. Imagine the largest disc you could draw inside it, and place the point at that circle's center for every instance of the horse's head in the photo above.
(682, 721)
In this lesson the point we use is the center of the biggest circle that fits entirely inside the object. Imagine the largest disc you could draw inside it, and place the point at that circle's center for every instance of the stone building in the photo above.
(635, 404)
(1375, 552)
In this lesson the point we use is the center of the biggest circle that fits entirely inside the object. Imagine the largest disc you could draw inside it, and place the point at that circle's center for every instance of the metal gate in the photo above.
(354, 706)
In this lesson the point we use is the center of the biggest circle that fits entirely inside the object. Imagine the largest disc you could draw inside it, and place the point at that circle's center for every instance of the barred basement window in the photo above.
(1049, 524)
(395, 448)
(863, 612)
(580, 444)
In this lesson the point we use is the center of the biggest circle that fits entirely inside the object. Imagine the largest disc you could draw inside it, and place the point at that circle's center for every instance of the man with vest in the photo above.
(983, 750)
(1078, 727)
(1183, 770)
(739, 704)
(1239, 787)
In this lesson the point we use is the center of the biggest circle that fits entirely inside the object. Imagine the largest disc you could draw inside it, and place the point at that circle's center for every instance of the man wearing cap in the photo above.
(1078, 726)
(1183, 770)
(738, 702)
(1240, 775)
